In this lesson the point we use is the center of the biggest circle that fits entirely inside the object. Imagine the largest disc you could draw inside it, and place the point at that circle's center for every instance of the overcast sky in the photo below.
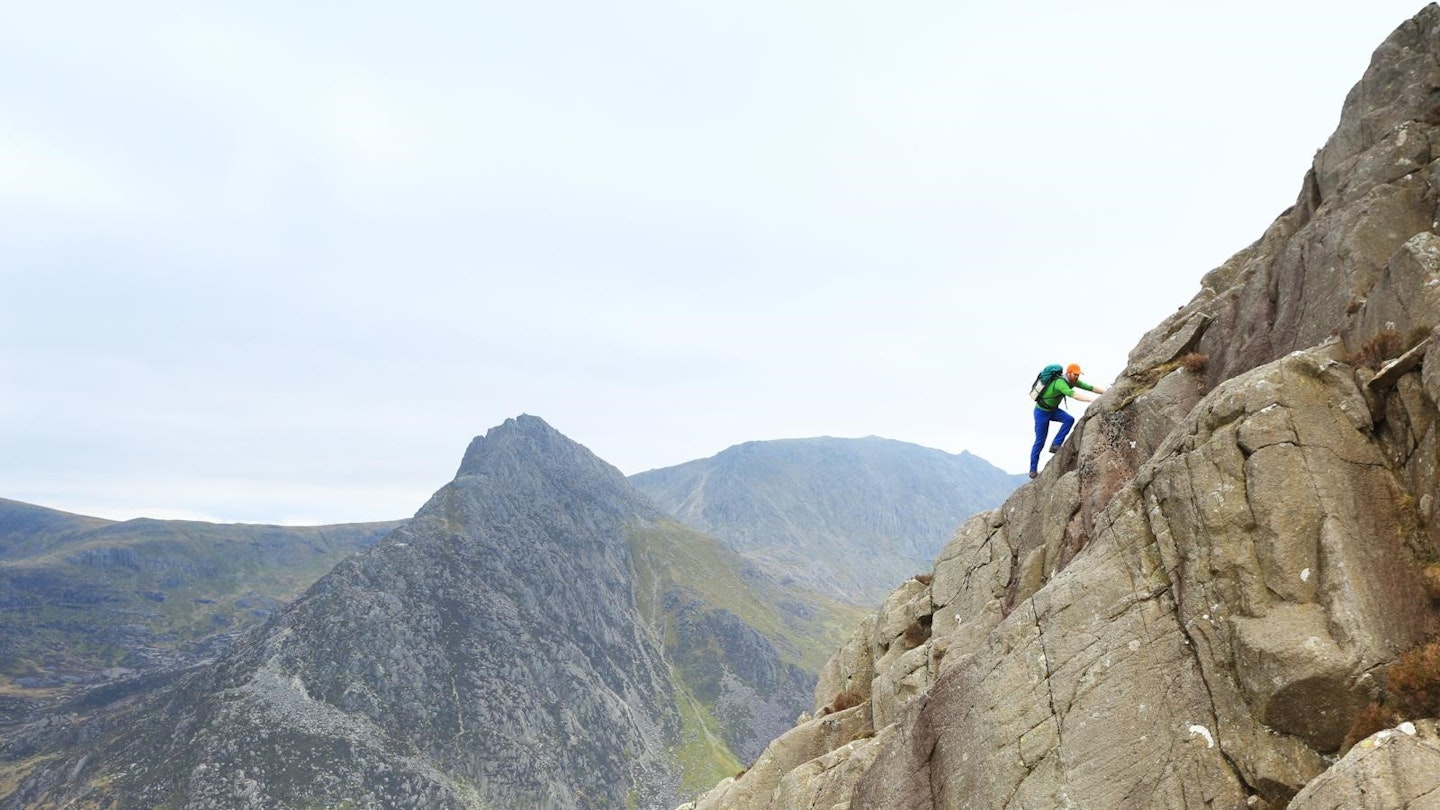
(280, 262)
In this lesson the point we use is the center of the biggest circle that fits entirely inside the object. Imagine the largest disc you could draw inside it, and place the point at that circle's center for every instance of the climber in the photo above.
(1048, 404)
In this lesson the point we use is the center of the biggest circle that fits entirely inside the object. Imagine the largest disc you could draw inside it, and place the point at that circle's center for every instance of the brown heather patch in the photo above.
(1194, 362)
(1431, 575)
(1377, 350)
(1412, 691)
(845, 700)
(1385, 346)
(1369, 720)
(1413, 681)
(919, 631)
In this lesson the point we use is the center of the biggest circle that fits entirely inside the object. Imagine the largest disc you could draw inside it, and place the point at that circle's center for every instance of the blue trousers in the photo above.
(1043, 418)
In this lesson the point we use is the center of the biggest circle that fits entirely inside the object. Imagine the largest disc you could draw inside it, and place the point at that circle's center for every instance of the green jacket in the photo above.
(1056, 392)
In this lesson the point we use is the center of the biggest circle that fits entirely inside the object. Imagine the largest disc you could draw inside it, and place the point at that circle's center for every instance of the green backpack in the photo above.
(1046, 376)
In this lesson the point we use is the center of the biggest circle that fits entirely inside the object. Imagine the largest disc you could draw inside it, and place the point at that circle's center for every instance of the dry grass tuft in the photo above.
(919, 631)
(1377, 350)
(1194, 362)
(845, 700)
(1413, 681)
(1412, 691)
(1431, 575)
(1369, 720)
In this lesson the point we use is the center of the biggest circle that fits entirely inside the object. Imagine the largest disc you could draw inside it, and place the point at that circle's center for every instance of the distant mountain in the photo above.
(29, 531)
(84, 600)
(539, 635)
(851, 518)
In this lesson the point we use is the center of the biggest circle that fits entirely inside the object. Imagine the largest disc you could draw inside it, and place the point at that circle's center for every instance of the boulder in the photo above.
(902, 649)
(828, 781)
(1398, 767)
(971, 577)
(815, 738)
(850, 670)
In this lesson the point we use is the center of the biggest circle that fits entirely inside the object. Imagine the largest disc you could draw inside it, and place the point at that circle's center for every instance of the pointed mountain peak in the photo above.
(525, 454)
(524, 439)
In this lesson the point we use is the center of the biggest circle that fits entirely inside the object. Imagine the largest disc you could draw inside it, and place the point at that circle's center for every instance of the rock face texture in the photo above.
(1193, 604)
(844, 517)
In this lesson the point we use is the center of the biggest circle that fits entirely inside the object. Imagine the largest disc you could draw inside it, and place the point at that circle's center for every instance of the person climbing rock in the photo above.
(1050, 390)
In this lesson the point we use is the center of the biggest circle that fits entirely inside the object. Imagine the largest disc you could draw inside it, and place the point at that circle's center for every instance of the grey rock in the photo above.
(1397, 767)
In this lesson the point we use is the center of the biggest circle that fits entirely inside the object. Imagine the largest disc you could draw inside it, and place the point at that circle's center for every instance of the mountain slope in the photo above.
(538, 635)
(845, 517)
(27, 530)
(1220, 584)
(84, 599)
(744, 650)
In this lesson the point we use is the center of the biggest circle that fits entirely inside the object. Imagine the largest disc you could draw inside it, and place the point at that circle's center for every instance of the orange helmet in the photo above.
(1073, 368)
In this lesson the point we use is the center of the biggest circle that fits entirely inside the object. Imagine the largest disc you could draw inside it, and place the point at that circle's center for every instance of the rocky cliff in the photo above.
(1226, 579)
(845, 517)
(538, 635)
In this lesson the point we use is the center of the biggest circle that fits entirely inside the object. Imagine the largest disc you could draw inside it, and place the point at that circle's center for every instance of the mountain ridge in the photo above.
(88, 600)
(533, 636)
(846, 517)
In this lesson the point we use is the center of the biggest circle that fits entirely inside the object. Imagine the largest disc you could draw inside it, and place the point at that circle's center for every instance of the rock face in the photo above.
(1193, 603)
(844, 517)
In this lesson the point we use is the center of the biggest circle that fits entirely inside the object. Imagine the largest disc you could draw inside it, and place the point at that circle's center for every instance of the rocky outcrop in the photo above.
(844, 517)
(1209, 640)
(1193, 603)
(803, 744)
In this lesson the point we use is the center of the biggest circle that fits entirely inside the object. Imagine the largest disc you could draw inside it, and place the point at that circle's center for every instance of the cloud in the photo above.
(39, 172)
(257, 244)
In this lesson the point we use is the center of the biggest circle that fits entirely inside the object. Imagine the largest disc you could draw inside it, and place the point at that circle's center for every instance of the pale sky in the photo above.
(280, 262)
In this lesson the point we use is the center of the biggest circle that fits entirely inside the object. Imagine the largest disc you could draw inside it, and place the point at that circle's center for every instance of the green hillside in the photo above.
(84, 600)
(732, 636)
